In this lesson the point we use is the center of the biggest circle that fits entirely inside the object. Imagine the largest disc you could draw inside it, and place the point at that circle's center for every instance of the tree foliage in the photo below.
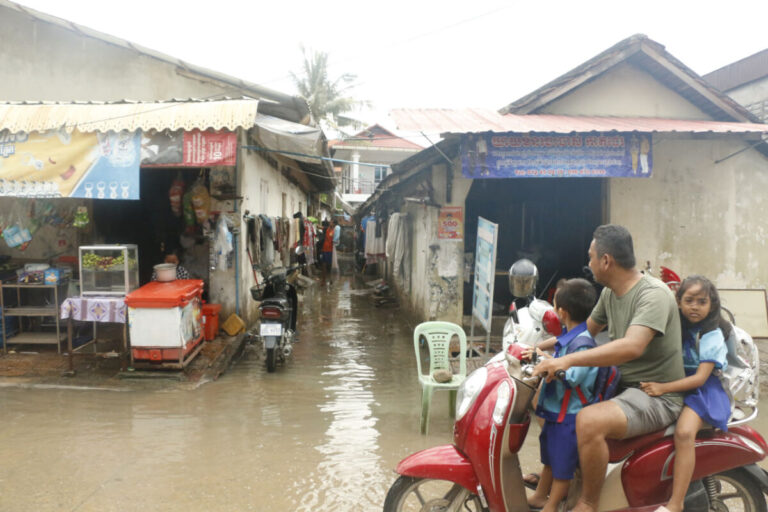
(328, 99)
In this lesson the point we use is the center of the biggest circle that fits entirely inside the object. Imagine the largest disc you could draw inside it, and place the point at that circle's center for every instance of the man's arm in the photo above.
(630, 347)
(593, 327)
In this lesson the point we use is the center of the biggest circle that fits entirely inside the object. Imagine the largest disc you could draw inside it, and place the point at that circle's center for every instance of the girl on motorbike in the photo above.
(704, 357)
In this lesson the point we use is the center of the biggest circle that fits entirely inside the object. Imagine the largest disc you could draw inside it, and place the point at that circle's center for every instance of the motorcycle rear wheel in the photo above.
(409, 494)
(736, 491)
(271, 359)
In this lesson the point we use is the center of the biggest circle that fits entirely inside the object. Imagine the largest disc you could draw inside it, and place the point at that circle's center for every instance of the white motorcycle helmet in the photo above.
(523, 276)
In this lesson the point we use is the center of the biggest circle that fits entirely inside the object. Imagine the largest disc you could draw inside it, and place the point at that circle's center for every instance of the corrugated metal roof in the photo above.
(191, 114)
(740, 72)
(472, 120)
(293, 103)
(375, 136)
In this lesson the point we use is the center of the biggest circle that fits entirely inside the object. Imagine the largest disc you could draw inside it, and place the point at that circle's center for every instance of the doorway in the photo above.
(150, 224)
(547, 220)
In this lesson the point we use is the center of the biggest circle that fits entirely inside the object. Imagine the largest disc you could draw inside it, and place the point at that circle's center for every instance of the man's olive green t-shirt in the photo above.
(652, 304)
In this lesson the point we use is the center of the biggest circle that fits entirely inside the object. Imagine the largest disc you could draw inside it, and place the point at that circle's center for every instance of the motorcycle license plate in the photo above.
(271, 330)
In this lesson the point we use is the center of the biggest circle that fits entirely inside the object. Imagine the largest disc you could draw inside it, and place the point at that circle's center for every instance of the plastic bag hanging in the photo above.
(222, 243)
(201, 201)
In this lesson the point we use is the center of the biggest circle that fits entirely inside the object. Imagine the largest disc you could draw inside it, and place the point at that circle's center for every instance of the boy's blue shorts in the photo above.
(558, 447)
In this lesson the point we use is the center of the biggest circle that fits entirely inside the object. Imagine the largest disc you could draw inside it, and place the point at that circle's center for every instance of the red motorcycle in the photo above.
(480, 471)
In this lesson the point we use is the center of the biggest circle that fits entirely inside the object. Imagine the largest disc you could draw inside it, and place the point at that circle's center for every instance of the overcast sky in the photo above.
(421, 53)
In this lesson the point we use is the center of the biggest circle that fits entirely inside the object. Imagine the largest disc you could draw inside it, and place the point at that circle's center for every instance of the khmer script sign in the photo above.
(554, 155)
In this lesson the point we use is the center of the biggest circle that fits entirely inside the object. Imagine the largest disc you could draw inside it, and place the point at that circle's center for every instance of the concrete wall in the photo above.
(625, 91)
(751, 93)
(261, 187)
(695, 216)
(66, 66)
(437, 266)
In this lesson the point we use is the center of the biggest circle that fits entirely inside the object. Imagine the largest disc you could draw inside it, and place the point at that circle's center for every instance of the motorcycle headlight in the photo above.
(503, 392)
(469, 390)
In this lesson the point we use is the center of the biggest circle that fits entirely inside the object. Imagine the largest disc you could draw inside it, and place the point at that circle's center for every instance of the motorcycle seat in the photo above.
(620, 449)
(276, 301)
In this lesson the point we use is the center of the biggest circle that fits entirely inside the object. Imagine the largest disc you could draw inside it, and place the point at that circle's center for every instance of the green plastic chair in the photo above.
(438, 337)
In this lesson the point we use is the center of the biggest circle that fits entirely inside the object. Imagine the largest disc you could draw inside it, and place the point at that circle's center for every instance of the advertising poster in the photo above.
(485, 270)
(450, 223)
(193, 148)
(60, 164)
(553, 155)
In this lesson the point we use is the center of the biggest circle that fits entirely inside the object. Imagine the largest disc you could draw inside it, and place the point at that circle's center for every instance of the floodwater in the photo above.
(323, 433)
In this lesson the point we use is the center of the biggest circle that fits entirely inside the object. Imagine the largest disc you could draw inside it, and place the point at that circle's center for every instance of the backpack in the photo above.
(606, 383)
(741, 378)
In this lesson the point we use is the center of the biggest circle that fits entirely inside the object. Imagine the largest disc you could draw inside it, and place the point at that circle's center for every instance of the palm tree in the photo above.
(326, 98)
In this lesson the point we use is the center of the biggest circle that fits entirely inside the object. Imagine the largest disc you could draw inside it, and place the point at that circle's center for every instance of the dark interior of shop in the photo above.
(149, 223)
(549, 221)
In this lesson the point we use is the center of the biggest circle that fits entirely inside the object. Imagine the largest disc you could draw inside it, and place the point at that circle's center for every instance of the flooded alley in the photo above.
(322, 433)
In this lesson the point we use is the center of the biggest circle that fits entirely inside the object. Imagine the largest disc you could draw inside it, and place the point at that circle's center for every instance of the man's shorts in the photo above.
(558, 447)
(326, 257)
(646, 414)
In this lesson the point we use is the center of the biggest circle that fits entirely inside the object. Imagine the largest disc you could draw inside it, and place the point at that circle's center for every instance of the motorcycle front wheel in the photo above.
(409, 494)
(734, 491)
(271, 359)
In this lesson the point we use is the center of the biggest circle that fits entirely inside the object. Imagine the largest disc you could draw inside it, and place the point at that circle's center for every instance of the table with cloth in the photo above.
(97, 310)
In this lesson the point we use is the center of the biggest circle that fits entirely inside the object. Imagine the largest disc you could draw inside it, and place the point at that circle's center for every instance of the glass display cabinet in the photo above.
(108, 269)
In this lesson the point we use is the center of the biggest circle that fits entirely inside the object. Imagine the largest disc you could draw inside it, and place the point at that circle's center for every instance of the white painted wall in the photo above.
(66, 67)
(750, 93)
(437, 266)
(695, 216)
(625, 91)
(262, 188)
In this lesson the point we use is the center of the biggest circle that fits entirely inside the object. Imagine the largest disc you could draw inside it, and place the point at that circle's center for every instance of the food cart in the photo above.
(165, 323)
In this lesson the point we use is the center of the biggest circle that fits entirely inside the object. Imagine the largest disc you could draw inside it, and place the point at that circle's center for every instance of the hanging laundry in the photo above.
(374, 245)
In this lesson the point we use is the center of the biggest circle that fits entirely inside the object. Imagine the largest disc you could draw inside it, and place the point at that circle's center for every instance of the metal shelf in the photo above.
(19, 310)
(32, 311)
(36, 338)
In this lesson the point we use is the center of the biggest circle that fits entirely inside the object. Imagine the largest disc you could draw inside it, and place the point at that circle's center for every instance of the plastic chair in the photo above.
(438, 337)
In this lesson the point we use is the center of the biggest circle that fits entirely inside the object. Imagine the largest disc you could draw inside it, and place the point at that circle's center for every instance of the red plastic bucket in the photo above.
(211, 320)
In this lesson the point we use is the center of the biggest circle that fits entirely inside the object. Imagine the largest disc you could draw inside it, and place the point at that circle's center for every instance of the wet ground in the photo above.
(321, 434)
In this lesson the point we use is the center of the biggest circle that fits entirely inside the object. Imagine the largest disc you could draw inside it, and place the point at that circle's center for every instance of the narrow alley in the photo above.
(323, 433)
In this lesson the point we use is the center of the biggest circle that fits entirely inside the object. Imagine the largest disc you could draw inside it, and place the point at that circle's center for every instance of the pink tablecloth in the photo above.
(94, 309)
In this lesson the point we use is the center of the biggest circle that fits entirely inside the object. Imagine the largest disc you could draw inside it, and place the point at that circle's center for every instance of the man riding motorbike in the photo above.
(644, 327)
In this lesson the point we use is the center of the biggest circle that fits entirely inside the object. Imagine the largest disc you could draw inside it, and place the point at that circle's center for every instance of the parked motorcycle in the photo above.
(481, 471)
(278, 310)
(536, 319)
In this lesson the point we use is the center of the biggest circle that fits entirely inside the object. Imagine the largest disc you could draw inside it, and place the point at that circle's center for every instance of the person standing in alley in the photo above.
(328, 247)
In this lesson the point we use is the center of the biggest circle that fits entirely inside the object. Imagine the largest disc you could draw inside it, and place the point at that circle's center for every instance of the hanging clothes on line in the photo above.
(374, 245)
(397, 247)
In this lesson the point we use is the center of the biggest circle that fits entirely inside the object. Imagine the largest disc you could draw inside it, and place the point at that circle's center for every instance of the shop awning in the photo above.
(302, 142)
(473, 120)
(86, 117)
(306, 145)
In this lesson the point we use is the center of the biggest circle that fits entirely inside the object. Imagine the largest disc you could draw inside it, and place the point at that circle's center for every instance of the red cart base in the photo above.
(151, 357)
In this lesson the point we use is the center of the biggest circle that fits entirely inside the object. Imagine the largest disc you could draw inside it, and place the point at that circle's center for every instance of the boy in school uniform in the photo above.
(560, 401)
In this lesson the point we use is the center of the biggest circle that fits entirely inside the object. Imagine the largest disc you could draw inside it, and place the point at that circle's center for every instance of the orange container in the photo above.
(211, 320)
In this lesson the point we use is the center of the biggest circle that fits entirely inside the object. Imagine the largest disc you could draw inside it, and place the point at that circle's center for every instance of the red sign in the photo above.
(188, 149)
(450, 223)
